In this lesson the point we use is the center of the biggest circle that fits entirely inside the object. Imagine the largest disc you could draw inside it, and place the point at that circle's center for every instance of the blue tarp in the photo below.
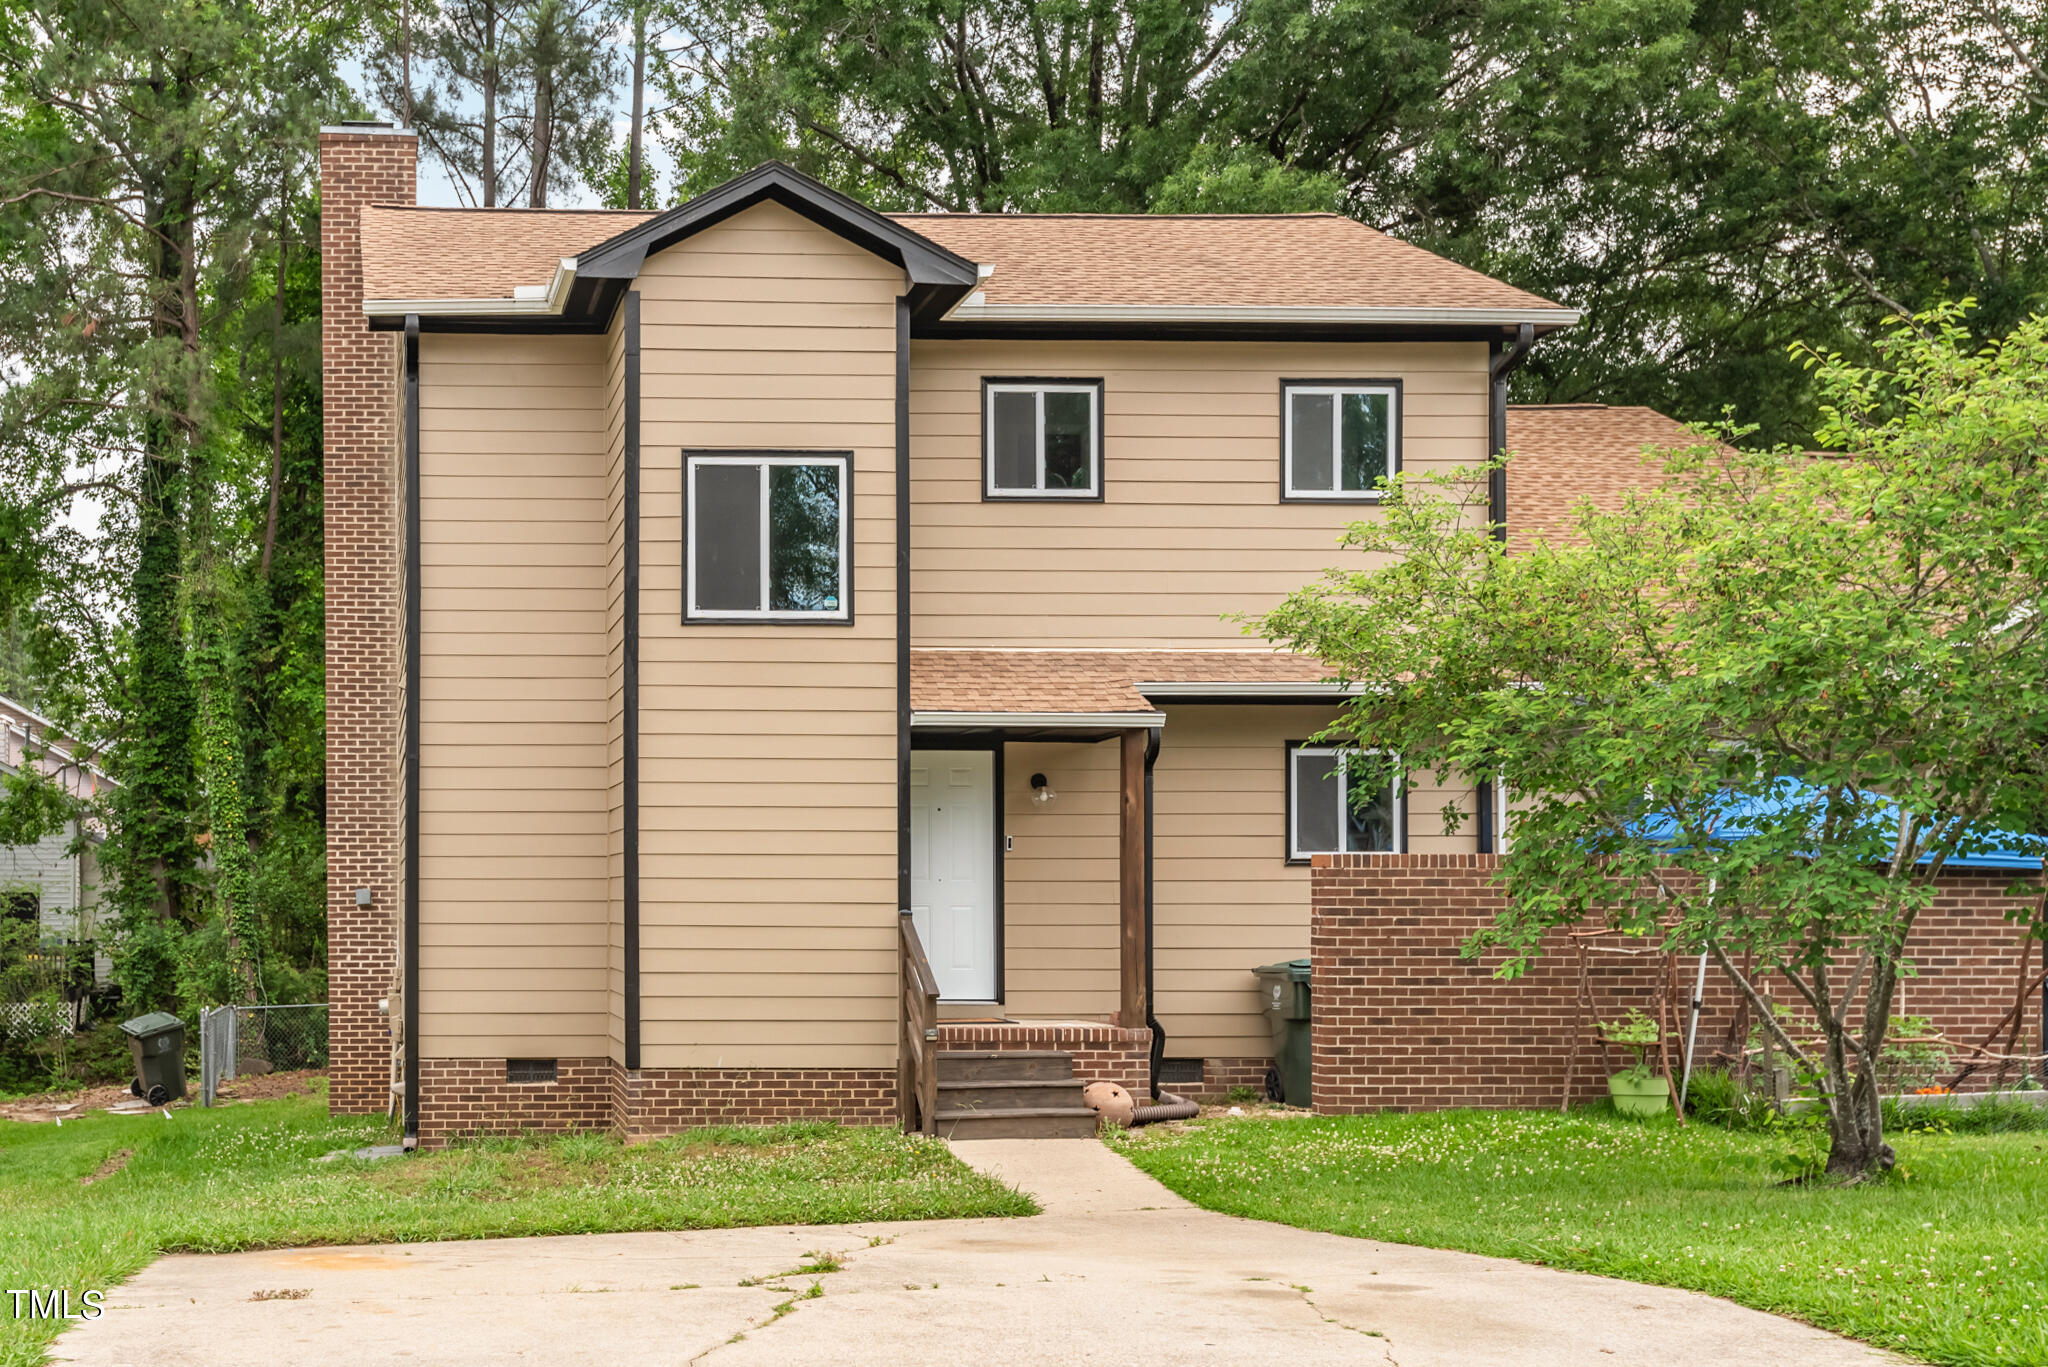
(1744, 813)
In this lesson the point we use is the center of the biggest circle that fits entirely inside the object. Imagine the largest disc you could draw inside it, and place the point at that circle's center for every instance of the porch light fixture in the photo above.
(1041, 791)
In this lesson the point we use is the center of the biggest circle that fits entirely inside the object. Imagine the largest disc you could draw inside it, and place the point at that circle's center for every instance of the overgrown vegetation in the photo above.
(247, 1176)
(1944, 1260)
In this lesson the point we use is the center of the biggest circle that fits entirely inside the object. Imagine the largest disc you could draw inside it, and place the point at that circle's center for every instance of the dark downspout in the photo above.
(903, 606)
(1151, 996)
(410, 947)
(629, 634)
(1506, 360)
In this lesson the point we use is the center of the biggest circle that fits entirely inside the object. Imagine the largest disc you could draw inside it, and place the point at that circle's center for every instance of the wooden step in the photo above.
(1006, 1094)
(1004, 1065)
(1032, 1122)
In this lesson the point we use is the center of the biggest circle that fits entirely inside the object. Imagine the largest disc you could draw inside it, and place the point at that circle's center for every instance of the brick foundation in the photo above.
(659, 1101)
(470, 1096)
(465, 1097)
(365, 707)
(1102, 1053)
(1402, 1022)
(1220, 1075)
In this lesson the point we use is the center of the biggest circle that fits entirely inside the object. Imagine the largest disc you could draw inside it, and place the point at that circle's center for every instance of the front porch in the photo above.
(1035, 873)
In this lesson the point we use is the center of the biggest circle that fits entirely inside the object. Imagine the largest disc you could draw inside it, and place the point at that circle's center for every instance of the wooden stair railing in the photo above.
(917, 1064)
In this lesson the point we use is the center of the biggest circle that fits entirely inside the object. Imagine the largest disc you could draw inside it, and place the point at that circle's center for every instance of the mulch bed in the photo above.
(67, 1105)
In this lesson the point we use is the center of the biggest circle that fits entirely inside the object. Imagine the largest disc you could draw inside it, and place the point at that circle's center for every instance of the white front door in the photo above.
(953, 868)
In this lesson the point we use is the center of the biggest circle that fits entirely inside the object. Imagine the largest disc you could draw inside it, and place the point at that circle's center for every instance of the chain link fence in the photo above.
(240, 1041)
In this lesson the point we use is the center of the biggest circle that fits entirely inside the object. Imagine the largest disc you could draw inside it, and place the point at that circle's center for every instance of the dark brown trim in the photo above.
(903, 605)
(630, 683)
(994, 743)
(1134, 1001)
(690, 453)
(939, 329)
(1101, 452)
(1393, 456)
(410, 932)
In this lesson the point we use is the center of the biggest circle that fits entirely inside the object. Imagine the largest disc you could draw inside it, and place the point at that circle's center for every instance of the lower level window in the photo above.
(766, 537)
(1341, 802)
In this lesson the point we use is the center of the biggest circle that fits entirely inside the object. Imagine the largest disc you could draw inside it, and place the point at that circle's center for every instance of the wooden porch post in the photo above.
(1133, 1010)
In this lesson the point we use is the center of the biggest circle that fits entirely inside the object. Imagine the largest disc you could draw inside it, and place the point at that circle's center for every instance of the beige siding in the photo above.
(1225, 899)
(768, 753)
(513, 700)
(1060, 881)
(1192, 526)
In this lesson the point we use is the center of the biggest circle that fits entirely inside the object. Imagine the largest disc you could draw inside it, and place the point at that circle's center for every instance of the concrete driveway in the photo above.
(1118, 1270)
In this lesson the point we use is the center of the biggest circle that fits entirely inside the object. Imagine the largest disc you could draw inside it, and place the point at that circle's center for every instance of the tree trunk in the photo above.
(490, 93)
(639, 103)
(543, 134)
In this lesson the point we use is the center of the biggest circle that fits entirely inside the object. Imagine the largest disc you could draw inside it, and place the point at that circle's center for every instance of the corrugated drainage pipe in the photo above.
(1170, 1107)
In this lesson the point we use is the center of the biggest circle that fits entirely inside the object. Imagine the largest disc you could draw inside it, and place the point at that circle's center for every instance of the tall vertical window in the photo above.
(1042, 439)
(765, 537)
(1342, 437)
(1342, 802)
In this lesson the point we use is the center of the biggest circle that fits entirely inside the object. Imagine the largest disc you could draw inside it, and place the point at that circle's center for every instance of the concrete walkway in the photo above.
(1117, 1271)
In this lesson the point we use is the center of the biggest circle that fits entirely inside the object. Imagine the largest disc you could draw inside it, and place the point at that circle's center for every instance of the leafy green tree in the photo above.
(1755, 711)
(1706, 182)
(148, 145)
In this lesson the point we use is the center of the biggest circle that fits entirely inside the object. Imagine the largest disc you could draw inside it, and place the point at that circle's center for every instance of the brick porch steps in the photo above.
(1011, 1094)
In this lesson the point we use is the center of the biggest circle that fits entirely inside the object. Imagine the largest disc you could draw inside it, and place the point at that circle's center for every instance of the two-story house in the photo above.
(712, 591)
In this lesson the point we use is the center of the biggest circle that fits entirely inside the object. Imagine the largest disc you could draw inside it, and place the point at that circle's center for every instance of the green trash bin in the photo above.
(1283, 996)
(158, 1042)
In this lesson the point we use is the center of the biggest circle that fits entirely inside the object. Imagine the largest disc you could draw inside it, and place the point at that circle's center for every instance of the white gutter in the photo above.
(1263, 688)
(969, 310)
(1121, 721)
(527, 301)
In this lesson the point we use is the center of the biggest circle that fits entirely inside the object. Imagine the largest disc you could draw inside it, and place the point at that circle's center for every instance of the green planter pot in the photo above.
(1639, 1095)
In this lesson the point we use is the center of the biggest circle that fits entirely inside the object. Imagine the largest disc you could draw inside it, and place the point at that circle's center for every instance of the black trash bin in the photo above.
(158, 1040)
(1283, 996)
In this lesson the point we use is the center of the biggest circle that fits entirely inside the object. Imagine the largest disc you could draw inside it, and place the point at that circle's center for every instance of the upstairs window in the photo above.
(766, 537)
(1341, 802)
(1342, 437)
(1042, 439)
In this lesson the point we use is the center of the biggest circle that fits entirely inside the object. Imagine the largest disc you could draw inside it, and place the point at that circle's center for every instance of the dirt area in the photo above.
(65, 1105)
(108, 1168)
(270, 1085)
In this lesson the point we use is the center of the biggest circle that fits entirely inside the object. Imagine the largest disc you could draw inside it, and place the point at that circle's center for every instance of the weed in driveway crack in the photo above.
(1308, 1299)
(816, 1263)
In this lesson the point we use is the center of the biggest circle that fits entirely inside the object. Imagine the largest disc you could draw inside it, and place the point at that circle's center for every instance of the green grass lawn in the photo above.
(1948, 1261)
(245, 1176)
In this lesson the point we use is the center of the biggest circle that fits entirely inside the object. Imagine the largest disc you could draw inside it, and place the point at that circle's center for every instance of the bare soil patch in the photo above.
(107, 1169)
(269, 1086)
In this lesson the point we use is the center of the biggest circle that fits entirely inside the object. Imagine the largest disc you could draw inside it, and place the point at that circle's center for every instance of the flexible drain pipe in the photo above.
(1170, 1107)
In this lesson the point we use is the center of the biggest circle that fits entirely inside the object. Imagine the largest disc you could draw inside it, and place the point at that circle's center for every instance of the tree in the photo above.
(1754, 711)
(156, 141)
(1707, 183)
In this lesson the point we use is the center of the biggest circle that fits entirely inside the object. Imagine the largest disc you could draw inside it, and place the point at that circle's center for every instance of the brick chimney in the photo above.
(361, 163)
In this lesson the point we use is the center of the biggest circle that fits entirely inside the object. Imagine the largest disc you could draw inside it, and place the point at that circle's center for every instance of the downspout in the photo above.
(629, 649)
(1506, 360)
(903, 607)
(411, 915)
(1151, 996)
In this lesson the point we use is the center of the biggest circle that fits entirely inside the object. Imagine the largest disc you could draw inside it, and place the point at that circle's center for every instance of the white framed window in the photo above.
(765, 536)
(1342, 801)
(1341, 438)
(1041, 439)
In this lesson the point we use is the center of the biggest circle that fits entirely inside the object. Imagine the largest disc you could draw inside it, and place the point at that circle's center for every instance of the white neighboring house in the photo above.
(45, 881)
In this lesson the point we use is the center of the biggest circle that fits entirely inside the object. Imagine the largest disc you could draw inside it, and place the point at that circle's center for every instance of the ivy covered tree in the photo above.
(164, 394)
(1756, 710)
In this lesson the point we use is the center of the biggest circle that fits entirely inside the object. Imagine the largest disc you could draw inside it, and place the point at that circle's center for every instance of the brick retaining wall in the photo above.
(1402, 1022)
(1102, 1053)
